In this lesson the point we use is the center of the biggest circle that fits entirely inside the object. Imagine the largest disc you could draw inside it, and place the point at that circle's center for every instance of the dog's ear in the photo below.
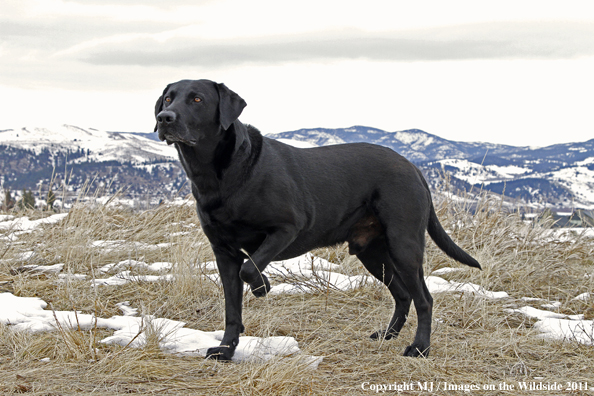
(159, 104)
(230, 106)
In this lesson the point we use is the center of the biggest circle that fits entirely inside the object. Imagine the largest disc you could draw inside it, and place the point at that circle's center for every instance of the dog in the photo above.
(259, 200)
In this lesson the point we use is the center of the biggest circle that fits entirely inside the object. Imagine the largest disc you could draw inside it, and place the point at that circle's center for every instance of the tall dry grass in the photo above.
(474, 341)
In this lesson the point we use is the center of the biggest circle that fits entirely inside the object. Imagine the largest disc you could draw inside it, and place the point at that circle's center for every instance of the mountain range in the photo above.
(68, 158)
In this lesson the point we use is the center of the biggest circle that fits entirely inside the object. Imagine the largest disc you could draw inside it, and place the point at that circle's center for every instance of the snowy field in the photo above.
(119, 254)
(30, 313)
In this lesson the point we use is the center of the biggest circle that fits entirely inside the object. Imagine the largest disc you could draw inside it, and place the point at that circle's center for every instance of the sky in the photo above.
(513, 72)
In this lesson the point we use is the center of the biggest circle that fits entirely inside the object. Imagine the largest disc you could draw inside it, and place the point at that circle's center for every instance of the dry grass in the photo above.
(474, 342)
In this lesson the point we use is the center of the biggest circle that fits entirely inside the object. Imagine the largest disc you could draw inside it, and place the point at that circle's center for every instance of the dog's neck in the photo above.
(237, 152)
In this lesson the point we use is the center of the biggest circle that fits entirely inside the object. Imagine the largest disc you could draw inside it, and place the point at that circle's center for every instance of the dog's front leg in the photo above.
(252, 269)
(233, 288)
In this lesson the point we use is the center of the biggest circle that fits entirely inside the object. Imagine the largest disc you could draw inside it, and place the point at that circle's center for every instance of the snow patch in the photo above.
(29, 314)
(126, 276)
(439, 285)
(446, 270)
(558, 326)
(583, 297)
(24, 224)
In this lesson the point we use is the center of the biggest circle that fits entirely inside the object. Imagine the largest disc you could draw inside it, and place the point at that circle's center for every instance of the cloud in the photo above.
(108, 44)
(50, 34)
(504, 40)
(155, 3)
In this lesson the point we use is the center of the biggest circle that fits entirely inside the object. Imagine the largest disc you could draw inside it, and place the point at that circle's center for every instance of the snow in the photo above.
(124, 277)
(583, 297)
(29, 314)
(552, 305)
(71, 277)
(175, 338)
(567, 234)
(151, 167)
(446, 270)
(541, 314)
(115, 245)
(307, 274)
(16, 226)
(304, 262)
(439, 285)
(474, 173)
(24, 224)
(296, 143)
(303, 274)
(126, 309)
(320, 280)
(42, 269)
(558, 326)
(581, 331)
(133, 264)
(579, 180)
(586, 162)
(564, 213)
(102, 146)
(411, 138)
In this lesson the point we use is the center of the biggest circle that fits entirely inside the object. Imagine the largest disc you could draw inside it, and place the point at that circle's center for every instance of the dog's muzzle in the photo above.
(166, 118)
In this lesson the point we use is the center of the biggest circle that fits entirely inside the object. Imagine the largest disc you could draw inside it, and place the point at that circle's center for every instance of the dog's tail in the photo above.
(445, 243)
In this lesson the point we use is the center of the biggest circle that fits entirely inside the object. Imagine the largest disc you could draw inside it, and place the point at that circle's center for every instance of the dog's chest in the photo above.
(220, 225)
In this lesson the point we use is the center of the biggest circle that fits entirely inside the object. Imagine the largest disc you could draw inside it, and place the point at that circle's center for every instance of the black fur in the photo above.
(272, 201)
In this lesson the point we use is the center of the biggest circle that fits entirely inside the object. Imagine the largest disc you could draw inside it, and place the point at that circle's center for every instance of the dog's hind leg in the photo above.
(379, 263)
(406, 251)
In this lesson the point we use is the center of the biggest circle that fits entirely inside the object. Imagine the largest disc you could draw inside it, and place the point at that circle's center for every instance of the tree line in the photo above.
(27, 200)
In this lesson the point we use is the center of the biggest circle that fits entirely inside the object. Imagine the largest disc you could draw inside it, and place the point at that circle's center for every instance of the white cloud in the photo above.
(551, 40)
(462, 69)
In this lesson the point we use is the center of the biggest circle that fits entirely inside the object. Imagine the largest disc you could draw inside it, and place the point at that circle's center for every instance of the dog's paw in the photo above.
(382, 334)
(222, 353)
(415, 350)
(261, 287)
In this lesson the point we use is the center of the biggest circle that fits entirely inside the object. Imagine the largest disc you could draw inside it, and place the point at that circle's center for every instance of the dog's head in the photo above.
(195, 112)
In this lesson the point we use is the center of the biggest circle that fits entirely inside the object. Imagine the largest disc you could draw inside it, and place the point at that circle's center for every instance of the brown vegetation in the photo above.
(474, 342)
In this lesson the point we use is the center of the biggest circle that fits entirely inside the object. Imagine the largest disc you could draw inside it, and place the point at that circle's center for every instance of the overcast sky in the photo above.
(516, 72)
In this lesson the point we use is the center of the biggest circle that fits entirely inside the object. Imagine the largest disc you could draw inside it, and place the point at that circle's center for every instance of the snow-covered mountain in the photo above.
(414, 144)
(66, 157)
(99, 146)
(561, 175)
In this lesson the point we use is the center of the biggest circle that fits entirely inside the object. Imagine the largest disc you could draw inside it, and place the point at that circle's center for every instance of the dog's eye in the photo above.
(197, 99)
(168, 99)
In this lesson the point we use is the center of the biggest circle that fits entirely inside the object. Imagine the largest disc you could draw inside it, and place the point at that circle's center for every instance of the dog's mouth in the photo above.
(170, 139)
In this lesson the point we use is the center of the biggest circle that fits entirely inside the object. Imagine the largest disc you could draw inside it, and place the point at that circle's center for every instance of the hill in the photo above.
(69, 157)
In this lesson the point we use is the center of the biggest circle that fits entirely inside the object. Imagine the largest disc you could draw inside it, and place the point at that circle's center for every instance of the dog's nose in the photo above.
(166, 117)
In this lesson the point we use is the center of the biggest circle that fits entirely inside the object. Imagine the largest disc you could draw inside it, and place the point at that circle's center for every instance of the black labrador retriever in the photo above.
(260, 200)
